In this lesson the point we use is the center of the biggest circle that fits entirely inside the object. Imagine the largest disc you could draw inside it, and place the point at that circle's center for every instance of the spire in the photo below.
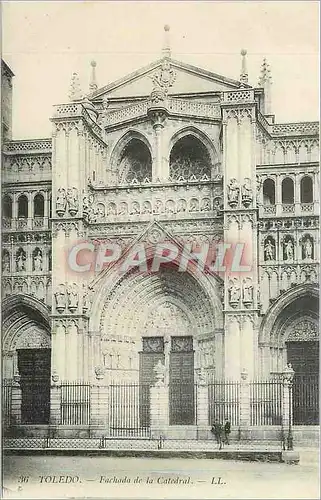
(244, 74)
(166, 50)
(265, 81)
(75, 90)
(93, 82)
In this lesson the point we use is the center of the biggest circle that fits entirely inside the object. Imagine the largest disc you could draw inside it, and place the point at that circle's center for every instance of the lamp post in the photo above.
(288, 378)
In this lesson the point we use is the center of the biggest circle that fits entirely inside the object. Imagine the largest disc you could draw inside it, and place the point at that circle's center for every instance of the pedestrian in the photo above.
(217, 430)
(227, 431)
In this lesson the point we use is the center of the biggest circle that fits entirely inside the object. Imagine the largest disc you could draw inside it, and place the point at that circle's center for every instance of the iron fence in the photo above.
(224, 402)
(129, 410)
(6, 402)
(306, 399)
(75, 403)
(182, 403)
(266, 402)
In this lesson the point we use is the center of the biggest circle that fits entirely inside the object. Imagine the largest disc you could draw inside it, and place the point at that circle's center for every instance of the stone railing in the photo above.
(302, 128)
(174, 106)
(27, 146)
(77, 110)
(236, 96)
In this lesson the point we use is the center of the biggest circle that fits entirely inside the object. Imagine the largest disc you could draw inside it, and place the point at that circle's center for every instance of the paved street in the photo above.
(146, 478)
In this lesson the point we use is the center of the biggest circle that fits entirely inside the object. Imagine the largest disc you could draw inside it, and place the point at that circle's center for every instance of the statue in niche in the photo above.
(135, 208)
(247, 290)
(61, 201)
(21, 261)
(269, 249)
(123, 208)
(72, 293)
(181, 206)
(233, 192)
(170, 207)
(147, 207)
(37, 260)
(5, 261)
(111, 209)
(206, 205)
(194, 205)
(234, 291)
(72, 199)
(158, 207)
(307, 248)
(288, 249)
(60, 297)
(247, 193)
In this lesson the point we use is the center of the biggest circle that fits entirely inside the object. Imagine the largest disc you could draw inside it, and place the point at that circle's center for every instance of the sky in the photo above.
(45, 42)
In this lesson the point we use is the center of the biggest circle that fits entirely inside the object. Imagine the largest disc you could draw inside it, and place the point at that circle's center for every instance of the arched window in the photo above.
(22, 206)
(135, 163)
(189, 158)
(7, 207)
(287, 191)
(39, 205)
(269, 192)
(306, 189)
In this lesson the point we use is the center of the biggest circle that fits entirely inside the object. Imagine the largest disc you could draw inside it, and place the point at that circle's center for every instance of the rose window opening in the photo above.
(189, 159)
(135, 163)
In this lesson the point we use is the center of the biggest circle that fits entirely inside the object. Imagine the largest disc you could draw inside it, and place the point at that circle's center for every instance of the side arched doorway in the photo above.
(26, 360)
(291, 335)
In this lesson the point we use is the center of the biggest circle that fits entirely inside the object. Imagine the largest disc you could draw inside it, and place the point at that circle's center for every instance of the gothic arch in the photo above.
(275, 320)
(123, 142)
(198, 134)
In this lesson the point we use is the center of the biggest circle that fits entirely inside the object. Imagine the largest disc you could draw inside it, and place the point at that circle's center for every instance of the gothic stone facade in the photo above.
(169, 153)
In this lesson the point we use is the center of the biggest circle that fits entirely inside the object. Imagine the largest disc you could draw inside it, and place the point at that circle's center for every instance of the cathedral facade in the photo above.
(160, 248)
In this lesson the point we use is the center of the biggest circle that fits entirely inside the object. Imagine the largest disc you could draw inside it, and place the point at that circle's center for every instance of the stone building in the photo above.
(177, 154)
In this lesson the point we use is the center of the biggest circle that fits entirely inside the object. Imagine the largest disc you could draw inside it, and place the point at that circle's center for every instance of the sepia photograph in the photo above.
(160, 248)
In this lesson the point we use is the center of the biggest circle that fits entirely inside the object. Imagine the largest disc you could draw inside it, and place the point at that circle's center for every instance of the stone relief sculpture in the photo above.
(123, 208)
(170, 207)
(60, 297)
(61, 202)
(206, 205)
(21, 260)
(5, 261)
(181, 206)
(111, 209)
(194, 205)
(72, 200)
(233, 192)
(247, 192)
(37, 260)
(158, 208)
(269, 249)
(135, 208)
(247, 291)
(147, 207)
(288, 249)
(234, 292)
(307, 248)
(73, 297)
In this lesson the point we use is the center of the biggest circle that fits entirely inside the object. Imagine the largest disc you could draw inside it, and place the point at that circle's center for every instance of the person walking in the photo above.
(217, 430)
(227, 431)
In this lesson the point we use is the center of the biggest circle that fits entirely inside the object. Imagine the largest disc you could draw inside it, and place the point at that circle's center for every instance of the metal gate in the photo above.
(129, 410)
(306, 399)
(224, 402)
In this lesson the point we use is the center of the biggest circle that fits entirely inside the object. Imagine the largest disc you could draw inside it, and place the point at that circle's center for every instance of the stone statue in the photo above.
(234, 291)
(206, 206)
(72, 199)
(308, 248)
(233, 192)
(5, 262)
(61, 201)
(135, 208)
(37, 261)
(160, 370)
(147, 208)
(247, 193)
(269, 250)
(289, 250)
(123, 208)
(247, 290)
(60, 297)
(72, 293)
(111, 209)
(20, 262)
(181, 206)
(170, 207)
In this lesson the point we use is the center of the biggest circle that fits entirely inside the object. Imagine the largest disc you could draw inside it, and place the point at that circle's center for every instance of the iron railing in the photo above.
(75, 403)
(266, 402)
(6, 402)
(129, 410)
(305, 399)
(224, 402)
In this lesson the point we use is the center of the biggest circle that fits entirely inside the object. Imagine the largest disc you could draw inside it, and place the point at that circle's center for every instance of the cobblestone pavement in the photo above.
(146, 478)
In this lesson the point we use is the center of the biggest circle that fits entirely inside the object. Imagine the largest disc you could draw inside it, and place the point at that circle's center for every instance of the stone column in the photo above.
(157, 116)
(245, 417)
(202, 405)
(287, 406)
(55, 400)
(16, 400)
(159, 403)
(100, 401)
